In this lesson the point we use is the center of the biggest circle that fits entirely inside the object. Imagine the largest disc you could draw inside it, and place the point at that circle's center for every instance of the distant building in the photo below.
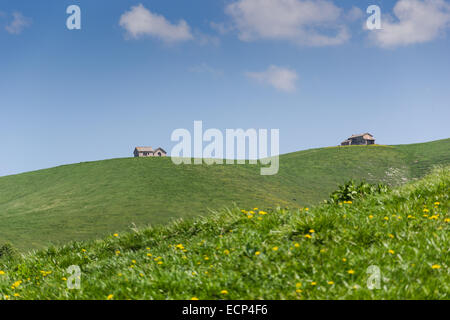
(149, 152)
(359, 140)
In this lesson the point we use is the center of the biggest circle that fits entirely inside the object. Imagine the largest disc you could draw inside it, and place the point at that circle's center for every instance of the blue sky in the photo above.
(137, 70)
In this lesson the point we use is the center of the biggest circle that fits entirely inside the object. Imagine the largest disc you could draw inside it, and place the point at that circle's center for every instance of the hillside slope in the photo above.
(327, 252)
(88, 200)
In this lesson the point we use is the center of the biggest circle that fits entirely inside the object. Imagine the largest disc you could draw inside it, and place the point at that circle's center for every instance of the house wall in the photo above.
(141, 154)
(163, 154)
(146, 154)
(358, 141)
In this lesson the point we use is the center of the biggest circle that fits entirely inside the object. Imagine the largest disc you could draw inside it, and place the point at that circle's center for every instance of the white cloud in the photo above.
(18, 23)
(305, 22)
(205, 68)
(220, 27)
(354, 14)
(280, 78)
(417, 21)
(140, 21)
(206, 39)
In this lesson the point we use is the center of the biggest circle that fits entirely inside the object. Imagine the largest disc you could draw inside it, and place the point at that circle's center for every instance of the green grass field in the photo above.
(89, 200)
(323, 252)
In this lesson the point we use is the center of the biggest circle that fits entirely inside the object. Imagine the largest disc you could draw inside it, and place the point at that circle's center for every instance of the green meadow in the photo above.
(328, 251)
(90, 200)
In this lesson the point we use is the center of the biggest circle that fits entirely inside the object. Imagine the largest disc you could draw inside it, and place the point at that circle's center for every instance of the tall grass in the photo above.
(326, 252)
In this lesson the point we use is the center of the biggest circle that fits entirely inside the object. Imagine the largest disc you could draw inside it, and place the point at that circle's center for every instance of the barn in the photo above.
(149, 152)
(359, 140)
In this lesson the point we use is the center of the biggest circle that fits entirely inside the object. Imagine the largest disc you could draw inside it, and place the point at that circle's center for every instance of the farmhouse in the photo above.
(149, 152)
(359, 139)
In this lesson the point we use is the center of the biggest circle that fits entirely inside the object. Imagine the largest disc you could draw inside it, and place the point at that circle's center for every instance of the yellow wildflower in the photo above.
(110, 297)
(224, 292)
(351, 271)
(435, 266)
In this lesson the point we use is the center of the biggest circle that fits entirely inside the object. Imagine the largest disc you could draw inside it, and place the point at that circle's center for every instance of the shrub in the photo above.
(7, 251)
(351, 191)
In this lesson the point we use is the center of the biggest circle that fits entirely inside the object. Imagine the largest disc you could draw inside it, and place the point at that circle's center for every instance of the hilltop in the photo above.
(89, 200)
(329, 251)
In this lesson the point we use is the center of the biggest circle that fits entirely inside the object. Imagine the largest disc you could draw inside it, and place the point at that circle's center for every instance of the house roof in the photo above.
(366, 136)
(144, 149)
(161, 150)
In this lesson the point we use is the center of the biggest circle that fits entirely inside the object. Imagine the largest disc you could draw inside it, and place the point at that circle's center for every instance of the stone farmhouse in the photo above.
(359, 139)
(149, 152)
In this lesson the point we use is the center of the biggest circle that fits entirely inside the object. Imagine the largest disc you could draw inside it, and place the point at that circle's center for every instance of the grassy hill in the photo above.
(327, 252)
(88, 200)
